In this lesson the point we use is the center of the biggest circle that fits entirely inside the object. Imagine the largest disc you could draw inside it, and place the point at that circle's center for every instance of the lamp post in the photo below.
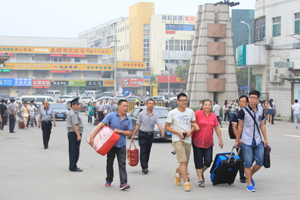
(249, 42)
(169, 68)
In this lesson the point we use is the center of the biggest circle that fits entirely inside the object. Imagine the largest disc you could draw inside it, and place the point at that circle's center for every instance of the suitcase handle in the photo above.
(238, 152)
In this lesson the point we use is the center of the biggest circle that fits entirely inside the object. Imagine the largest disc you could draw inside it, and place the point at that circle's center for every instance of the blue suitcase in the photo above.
(225, 167)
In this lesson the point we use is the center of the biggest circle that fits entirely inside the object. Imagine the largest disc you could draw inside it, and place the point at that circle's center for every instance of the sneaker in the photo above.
(252, 181)
(243, 180)
(124, 186)
(187, 187)
(250, 188)
(177, 180)
(173, 152)
(107, 184)
(145, 171)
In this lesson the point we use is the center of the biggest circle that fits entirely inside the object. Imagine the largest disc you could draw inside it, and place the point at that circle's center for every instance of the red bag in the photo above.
(104, 140)
(133, 156)
(21, 124)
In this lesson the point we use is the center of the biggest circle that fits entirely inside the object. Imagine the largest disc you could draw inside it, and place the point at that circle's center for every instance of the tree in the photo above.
(183, 71)
(242, 77)
(153, 79)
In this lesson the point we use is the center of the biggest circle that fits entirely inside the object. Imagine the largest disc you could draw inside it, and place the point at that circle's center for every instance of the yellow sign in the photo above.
(125, 64)
(55, 50)
(147, 83)
(108, 83)
(58, 66)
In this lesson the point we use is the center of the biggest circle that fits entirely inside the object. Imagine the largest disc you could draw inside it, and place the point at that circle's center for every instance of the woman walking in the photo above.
(90, 110)
(25, 111)
(270, 112)
(202, 140)
(226, 111)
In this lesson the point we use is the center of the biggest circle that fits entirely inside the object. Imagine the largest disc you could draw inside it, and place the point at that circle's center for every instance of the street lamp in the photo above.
(249, 42)
(169, 68)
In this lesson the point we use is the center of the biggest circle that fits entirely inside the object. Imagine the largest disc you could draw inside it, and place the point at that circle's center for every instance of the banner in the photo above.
(41, 82)
(23, 81)
(108, 83)
(57, 83)
(130, 82)
(94, 83)
(7, 82)
(77, 83)
(124, 64)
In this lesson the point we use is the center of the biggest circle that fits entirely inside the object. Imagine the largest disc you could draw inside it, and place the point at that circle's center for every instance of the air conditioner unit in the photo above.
(162, 72)
(268, 41)
(296, 45)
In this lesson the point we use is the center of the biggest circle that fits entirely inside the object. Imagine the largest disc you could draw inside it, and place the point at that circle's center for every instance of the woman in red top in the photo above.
(203, 139)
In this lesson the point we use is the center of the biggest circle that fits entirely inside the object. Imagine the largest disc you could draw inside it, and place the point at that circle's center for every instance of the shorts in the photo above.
(183, 151)
(202, 157)
(270, 112)
(253, 152)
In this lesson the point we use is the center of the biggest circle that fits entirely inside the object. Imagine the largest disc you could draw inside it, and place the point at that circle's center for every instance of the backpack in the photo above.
(230, 128)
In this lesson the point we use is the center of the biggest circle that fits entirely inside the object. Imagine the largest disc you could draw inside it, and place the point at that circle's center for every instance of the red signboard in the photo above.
(41, 82)
(173, 79)
(132, 82)
(170, 32)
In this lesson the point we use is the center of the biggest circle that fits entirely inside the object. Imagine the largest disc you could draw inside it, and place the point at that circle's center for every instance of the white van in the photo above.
(90, 93)
(53, 93)
(29, 98)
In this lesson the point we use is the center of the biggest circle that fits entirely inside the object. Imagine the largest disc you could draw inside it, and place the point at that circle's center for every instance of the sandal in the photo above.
(201, 184)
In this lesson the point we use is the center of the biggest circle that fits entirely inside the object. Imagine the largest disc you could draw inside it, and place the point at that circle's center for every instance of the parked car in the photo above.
(104, 98)
(133, 98)
(158, 98)
(65, 98)
(60, 110)
(85, 100)
(162, 115)
(143, 101)
(117, 98)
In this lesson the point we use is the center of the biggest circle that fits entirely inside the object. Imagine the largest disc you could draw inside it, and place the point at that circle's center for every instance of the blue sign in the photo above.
(6, 82)
(244, 87)
(126, 92)
(147, 77)
(23, 81)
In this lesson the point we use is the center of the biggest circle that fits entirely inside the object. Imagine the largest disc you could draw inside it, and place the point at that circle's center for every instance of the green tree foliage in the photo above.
(183, 71)
(242, 77)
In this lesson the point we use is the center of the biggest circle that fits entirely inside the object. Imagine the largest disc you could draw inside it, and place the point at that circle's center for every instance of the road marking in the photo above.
(292, 136)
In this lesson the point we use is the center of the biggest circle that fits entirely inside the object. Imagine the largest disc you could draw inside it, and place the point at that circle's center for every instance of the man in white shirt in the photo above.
(296, 109)
(216, 110)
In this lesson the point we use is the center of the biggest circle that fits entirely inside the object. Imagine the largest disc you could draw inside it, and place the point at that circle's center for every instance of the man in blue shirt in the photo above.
(120, 123)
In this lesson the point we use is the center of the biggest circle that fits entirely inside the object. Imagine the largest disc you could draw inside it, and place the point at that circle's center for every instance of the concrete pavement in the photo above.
(30, 172)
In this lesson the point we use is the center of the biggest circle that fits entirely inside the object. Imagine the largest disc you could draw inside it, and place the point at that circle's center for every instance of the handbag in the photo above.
(267, 149)
(87, 112)
(104, 140)
(274, 111)
(197, 117)
(132, 155)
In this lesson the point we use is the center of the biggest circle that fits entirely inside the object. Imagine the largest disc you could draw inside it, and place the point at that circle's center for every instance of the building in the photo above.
(240, 31)
(37, 64)
(277, 29)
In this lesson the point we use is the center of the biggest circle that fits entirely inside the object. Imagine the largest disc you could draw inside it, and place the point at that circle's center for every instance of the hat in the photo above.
(2, 100)
(75, 101)
(11, 99)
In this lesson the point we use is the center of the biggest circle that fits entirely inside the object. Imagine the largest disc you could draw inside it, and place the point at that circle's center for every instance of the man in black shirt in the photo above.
(3, 111)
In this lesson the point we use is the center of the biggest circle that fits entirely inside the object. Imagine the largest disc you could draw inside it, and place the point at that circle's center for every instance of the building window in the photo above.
(146, 43)
(276, 26)
(179, 45)
(297, 23)
(179, 27)
(260, 28)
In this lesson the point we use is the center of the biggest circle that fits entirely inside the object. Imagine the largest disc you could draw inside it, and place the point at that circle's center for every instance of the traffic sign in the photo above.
(126, 92)
(244, 87)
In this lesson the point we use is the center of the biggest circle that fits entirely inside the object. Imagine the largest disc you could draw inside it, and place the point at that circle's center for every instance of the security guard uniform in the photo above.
(73, 118)
(46, 115)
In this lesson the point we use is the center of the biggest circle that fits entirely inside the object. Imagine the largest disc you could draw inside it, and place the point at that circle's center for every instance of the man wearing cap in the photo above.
(46, 114)
(11, 108)
(4, 113)
(75, 130)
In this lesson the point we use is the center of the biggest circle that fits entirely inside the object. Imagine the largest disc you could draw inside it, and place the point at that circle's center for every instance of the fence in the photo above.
(131, 104)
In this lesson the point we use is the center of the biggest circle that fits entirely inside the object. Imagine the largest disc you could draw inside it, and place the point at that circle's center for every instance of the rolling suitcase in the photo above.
(21, 124)
(96, 121)
(225, 167)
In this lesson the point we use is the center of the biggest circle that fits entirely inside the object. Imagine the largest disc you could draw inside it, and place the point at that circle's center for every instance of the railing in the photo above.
(131, 104)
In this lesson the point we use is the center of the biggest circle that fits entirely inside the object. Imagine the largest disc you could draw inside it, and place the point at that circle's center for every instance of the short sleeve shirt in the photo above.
(100, 107)
(181, 121)
(296, 108)
(147, 121)
(11, 107)
(234, 118)
(46, 115)
(111, 108)
(113, 120)
(204, 137)
(217, 108)
(73, 118)
(3, 108)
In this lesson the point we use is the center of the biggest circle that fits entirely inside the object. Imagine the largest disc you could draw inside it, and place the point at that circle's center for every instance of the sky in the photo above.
(66, 18)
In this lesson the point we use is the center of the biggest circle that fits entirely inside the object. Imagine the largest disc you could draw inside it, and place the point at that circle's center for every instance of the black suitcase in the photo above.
(225, 167)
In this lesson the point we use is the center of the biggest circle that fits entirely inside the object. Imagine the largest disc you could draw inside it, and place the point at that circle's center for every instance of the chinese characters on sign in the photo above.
(64, 83)
(178, 19)
(127, 82)
(6, 82)
(94, 83)
(23, 82)
(108, 83)
(75, 83)
(131, 64)
(41, 82)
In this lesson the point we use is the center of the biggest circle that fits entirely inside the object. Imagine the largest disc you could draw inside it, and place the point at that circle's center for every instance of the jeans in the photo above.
(220, 124)
(241, 169)
(12, 122)
(226, 117)
(145, 142)
(74, 147)
(100, 116)
(46, 128)
(90, 117)
(297, 116)
(4, 121)
(251, 152)
(201, 155)
(30, 120)
(121, 156)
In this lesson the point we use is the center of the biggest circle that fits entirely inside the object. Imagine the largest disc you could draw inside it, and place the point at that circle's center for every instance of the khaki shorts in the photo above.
(183, 151)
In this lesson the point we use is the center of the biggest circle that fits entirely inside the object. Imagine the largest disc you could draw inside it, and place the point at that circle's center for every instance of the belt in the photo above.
(46, 121)
(148, 133)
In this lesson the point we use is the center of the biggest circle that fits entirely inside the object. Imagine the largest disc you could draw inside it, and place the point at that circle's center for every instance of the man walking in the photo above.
(296, 110)
(145, 124)
(121, 124)
(46, 114)
(111, 107)
(4, 113)
(100, 109)
(75, 130)
(274, 110)
(12, 115)
(216, 110)
(243, 101)
(181, 119)
(251, 118)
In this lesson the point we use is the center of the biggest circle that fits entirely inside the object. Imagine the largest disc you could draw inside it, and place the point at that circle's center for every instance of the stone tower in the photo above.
(212, 68)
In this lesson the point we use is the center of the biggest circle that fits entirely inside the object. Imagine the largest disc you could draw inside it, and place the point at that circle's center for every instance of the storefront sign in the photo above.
(108, 83)
(64, 67)
(60, 71)
(41, 82)
(7, 82)
(23, 81)
(124, 64)
(178, 19)
(57, 83)
(129, 82)
(78, 83)
(173, 79)
(94, 83)
(51, 50)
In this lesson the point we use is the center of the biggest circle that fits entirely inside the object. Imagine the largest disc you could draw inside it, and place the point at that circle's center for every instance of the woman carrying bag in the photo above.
(25, 110)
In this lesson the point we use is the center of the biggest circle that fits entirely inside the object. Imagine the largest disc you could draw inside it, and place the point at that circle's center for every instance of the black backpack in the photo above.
(230, 128)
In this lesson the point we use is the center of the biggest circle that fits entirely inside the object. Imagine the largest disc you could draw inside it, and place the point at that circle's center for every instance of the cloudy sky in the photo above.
(66, 18)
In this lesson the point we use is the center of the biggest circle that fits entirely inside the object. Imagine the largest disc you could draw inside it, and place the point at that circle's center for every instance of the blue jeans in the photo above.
(297, 116)
(253, 152)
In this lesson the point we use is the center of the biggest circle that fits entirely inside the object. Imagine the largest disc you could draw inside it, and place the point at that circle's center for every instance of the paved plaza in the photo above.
(30, 172)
